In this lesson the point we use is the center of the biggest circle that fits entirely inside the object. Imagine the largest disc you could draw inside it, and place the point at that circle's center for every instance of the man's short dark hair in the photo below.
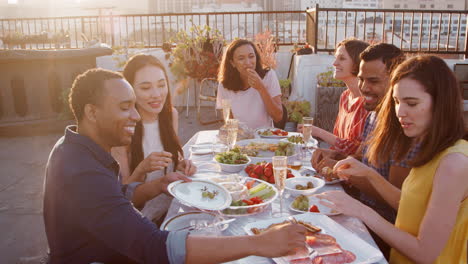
(390, 55)
(88, 88)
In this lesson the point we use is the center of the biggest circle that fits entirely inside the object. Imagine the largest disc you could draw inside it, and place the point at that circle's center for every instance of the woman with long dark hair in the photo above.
(254, 91)
(155, 149)
(423, 106)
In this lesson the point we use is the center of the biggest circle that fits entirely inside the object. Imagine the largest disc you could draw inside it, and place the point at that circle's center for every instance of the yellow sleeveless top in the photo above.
(415, 195)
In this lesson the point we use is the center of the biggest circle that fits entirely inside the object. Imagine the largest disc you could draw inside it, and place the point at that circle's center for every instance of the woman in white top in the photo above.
(155, 149)
(254, 91)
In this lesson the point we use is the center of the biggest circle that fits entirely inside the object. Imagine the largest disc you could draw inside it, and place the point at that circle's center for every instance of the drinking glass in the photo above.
(226, 105)
(280, 170)
(307, 130)
(232, 126)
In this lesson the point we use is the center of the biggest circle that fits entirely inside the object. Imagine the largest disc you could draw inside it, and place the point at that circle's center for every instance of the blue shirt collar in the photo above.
(104, 157)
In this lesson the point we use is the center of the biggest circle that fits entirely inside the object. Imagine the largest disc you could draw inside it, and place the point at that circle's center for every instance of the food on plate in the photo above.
(308, 186)
(296, 139)
(258, 193)
(301, 203)
(327, 249)
(314, 209)
(253, 149)
(231, 157)
(208, 194)
(310, 228)
(237, 190)
(263, 171)
(328, 175)
(273, 132)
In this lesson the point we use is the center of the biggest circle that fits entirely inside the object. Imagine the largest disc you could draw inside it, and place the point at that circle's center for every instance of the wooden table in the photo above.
(236, 228)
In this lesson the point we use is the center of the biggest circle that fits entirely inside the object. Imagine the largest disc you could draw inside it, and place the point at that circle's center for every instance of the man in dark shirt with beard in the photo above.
(88, 213)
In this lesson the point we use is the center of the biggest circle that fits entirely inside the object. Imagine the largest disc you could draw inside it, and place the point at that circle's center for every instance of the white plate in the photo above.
(328, 182)
(312, 141)
(265, 155)
(189, 219)
(309, 170)
(202, 149)
(258, 131)
(365, 253)
(315, 201)
(190, 193)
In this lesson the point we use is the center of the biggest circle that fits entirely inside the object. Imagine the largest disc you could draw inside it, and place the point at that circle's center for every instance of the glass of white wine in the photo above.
(280, 170)
(226, 105)
(232, 125)
(307, 130)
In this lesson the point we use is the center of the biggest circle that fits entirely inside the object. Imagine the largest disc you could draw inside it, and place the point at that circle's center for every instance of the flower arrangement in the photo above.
(297, 110)
(197, 54)
(266, 46)
(325, 79)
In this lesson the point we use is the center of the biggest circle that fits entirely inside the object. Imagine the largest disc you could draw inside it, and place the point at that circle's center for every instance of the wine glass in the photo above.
(307, 130)
(280, 171)
(226, 105)
(232, 126)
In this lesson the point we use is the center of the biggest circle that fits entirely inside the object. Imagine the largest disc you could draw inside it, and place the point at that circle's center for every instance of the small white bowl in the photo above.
(232, 168)
(290, 185)
(237, 190)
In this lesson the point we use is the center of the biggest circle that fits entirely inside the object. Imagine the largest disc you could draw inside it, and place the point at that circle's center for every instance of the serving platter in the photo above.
(364, 253)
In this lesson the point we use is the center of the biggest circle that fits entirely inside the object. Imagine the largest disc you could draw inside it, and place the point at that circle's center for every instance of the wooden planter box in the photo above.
(327, 102)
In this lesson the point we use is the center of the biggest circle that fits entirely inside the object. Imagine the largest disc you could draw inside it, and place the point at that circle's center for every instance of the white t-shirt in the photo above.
(247, 106)
(156, 207)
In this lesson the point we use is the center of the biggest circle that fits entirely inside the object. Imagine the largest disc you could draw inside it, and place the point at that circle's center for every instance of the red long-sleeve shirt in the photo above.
(349, 124)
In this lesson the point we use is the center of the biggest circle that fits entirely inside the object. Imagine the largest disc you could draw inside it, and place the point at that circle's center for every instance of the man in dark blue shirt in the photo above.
(88, 213)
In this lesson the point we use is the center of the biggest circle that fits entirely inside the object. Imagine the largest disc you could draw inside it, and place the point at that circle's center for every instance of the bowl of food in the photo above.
(259, 196)
(237, 190)
(303, 185)
(232, 161)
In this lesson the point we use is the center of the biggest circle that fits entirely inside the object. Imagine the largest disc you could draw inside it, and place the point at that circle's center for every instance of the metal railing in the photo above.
(146, 30)
(414, 31)
(434, 31)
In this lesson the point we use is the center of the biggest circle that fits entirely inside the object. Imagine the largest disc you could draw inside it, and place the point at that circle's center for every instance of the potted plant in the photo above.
(285, 85)
(327, 99)
(296, 111)
(196, 55)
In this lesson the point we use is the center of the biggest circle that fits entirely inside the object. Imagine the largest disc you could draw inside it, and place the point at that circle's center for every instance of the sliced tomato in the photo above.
(248, 202)
(249, 184)
(314, 209)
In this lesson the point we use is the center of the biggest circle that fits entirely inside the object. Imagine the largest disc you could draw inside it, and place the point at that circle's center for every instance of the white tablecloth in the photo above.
(236, 228)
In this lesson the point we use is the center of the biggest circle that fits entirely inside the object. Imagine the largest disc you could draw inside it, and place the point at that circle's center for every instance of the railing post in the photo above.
(312, 27)
(466, 37)
(112, 29)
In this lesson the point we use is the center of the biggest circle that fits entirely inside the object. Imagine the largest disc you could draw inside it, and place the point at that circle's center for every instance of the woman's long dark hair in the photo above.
(230, 76)
(447, 124)
(169, 138)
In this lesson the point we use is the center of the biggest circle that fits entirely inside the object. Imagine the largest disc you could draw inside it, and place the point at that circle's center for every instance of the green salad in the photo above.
(232, 157)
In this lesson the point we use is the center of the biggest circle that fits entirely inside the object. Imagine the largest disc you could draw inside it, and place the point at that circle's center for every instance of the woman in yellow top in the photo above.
(423, 107)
